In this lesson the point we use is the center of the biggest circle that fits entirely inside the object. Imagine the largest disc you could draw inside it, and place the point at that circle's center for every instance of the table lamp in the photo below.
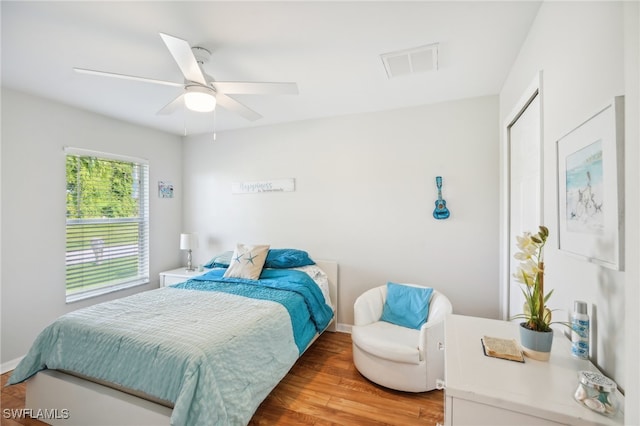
(188, 242)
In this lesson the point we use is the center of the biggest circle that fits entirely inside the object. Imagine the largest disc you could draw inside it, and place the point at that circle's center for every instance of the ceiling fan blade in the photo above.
(255, 88)
(181, 52)
(235, 106)
(173, 106)
(128, 77)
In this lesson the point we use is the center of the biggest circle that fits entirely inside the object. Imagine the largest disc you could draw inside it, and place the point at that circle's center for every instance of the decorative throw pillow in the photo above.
(287, 258)
(406, 306)
(247, 261)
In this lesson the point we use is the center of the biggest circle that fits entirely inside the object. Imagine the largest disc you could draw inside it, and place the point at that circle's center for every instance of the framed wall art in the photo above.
(165, 189)
(591, 188)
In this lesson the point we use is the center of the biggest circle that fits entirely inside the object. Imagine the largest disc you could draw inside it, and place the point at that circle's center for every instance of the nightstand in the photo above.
(178, 275)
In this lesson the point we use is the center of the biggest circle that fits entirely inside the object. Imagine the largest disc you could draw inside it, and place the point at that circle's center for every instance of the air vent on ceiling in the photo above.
(410, 61)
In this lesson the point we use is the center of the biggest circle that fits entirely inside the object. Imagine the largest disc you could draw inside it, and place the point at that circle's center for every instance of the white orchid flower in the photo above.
(530, 272)
(524, 241)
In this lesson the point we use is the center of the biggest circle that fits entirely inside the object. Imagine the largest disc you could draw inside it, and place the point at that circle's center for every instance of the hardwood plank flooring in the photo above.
(323, 388)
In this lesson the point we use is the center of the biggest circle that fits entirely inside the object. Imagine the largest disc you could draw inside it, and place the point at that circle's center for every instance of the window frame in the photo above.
(142, 219)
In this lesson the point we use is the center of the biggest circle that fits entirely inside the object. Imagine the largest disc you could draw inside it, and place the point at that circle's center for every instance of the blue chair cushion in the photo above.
(406, 306)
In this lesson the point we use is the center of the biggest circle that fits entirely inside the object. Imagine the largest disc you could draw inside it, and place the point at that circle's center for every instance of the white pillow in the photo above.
(321, 278)
(247, 261)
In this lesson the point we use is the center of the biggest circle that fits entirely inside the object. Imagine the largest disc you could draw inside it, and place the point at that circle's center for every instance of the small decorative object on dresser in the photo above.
(536, 344)
(579, 320)
(502, 348)
(536, 335)
(597, 392)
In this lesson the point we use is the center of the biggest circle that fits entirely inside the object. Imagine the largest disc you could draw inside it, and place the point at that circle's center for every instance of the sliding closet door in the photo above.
(525, 193)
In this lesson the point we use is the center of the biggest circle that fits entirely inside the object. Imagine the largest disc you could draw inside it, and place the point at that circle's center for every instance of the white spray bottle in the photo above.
(580, 330)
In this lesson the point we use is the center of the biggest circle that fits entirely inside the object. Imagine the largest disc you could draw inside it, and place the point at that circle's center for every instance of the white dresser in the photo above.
(481, 390)
(178, 275)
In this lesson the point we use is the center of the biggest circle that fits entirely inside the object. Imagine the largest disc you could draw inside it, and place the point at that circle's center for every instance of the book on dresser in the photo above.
(502, 348)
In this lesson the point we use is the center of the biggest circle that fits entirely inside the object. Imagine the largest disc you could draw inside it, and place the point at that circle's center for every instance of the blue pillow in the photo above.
(287, 258)
(276, 258)
(406, 306)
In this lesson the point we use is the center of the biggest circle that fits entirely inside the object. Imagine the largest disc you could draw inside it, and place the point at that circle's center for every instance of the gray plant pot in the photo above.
(536, 344)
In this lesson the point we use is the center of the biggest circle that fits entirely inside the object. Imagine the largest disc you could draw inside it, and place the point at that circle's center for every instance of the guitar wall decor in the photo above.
(441, 211)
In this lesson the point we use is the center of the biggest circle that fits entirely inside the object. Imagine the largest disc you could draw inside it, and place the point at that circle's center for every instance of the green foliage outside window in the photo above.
(99, 188)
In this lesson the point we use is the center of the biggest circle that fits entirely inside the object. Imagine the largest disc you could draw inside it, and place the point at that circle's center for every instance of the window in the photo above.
(107, 234)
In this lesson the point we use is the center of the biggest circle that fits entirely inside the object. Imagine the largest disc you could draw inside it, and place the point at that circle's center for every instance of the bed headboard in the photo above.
(330, 267)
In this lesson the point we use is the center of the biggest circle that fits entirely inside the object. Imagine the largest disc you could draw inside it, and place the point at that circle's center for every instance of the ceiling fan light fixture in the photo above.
(200, 98)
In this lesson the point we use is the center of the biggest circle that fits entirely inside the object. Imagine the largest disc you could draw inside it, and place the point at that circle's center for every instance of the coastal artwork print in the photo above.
(590, 179)
(585, 189)
(165, 189)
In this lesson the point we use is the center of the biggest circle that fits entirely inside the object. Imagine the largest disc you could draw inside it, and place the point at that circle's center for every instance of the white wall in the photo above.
(34, 132)
(579, 46)
(632, 246)
(365, 193)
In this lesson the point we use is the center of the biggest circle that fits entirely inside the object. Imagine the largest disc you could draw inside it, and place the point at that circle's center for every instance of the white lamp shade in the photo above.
(188, 241)
(200, 99)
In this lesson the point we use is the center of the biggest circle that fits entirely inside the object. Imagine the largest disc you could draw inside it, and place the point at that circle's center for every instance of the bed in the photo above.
(203, 352)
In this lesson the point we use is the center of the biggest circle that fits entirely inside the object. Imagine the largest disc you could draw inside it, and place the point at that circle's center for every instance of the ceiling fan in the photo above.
(201, 92)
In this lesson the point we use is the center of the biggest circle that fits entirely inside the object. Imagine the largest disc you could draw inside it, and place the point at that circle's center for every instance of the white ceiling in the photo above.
(330, 49)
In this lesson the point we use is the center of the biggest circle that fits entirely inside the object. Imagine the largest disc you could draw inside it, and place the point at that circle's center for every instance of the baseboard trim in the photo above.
(343, 328)
(9, 365)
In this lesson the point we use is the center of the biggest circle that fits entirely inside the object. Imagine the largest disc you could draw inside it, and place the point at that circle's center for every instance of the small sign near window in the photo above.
(165, 189)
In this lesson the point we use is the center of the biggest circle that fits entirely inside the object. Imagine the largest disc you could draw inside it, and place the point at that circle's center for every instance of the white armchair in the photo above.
(398, 357)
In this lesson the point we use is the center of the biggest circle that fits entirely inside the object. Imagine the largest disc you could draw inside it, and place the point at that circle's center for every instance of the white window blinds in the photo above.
(107, 231)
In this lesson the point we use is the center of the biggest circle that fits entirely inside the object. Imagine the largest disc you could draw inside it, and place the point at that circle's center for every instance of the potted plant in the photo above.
(536, 335)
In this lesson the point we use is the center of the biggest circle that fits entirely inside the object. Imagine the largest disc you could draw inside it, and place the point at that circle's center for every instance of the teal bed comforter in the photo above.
(212, 347)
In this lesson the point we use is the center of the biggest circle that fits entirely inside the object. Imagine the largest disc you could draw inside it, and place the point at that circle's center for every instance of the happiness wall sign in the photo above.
(274, 185)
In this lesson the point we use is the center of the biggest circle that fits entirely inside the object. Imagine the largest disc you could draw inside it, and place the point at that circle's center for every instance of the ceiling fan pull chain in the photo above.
(214, 125)
(184, 115)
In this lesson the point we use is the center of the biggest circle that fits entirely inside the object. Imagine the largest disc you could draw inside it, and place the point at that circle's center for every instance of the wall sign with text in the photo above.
(277, 185)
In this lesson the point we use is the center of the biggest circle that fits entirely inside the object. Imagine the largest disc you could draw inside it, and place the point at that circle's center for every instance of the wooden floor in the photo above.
(323, 388)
